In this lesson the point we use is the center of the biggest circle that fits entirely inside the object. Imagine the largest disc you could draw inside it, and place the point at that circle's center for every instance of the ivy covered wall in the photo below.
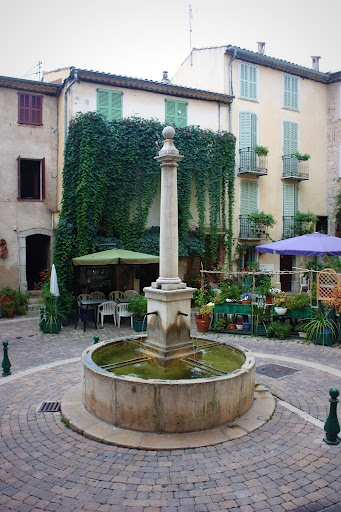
(110, 179)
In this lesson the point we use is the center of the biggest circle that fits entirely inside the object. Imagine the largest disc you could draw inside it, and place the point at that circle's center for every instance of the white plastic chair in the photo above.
(97, 295)
(83, 296)
(117, 294)
(106, 309)
(122, 312)
(130, 293)
(304, 283)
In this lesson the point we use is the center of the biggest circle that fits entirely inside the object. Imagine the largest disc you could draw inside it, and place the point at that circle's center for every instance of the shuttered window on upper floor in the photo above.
(176, 113)
(291, 92)
(248, 197)
(109, 104)
(30, 109)
(248, 83)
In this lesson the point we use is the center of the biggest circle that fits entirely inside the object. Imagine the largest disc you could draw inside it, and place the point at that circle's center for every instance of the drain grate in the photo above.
(49, 407)
(276, 371)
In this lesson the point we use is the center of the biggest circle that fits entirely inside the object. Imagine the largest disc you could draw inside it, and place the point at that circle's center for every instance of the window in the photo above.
(248, 197)
(290, 208)
(109, 104)
(176, 113)
(30, 109)
(31, 179)
(247, 140)
(290, 92)
(248, 81)
(290, 137)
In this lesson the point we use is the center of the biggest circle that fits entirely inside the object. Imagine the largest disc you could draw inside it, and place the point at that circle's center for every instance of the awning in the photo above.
(115, 256)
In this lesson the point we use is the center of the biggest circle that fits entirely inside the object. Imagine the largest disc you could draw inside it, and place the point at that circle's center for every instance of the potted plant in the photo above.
(261, 318)
(261, 150)
(279, 329)
(301, 156)
(280, 302)
(263, 287)
(8, 309)
(321, 329)
(19, 299)
(203, 319)
(138, 306)
(52, 315)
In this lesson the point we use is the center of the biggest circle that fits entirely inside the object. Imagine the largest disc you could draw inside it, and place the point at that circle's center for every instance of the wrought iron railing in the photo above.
(250, 230)
(294, 168)
(289, 227)
(251, 163)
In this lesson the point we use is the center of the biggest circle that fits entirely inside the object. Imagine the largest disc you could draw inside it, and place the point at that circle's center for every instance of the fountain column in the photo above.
(169, 299)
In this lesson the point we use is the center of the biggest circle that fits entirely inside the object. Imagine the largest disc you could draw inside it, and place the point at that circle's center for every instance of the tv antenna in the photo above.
(32, 72)
(190, 34)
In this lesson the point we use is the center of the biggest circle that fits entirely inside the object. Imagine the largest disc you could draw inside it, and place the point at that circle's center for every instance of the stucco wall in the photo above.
(333, 148)
(26, 215)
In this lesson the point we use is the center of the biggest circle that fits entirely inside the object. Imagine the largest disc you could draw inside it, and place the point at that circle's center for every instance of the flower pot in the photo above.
(49, 327)
(324, 338)
(280, 311)
(239, 327)
(246, 326)
(260, 330)
(246, 302)
(231, 327)
(202, 325)
(139, 324)
(205, 316)
(269, 299)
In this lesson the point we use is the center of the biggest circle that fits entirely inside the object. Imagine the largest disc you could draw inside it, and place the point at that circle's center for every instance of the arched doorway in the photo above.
(37, 258)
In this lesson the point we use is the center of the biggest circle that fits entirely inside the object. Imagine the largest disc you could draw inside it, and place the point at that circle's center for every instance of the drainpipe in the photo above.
(231, 88)
(65, 103)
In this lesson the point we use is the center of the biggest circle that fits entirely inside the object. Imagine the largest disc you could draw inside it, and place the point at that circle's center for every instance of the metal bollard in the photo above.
(332, 426)
(6, 364)
(96, 339)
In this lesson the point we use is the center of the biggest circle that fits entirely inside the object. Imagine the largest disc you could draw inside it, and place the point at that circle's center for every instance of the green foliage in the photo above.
(230, 289)
(261, 218)
(301, 156)
(305, 223)
(263, 285)
(138, 306)
(19, 299)
(261, 150)
(280, 329)
(110, 179)
(298, 301)
(320, 322)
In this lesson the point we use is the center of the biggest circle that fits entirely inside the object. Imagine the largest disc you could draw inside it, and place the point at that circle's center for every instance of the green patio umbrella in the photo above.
(114, 256)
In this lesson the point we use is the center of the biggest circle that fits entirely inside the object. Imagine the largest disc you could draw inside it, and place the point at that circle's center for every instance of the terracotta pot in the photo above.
(206, 316)
(231, 327)
(269, 299)
(202, 325)
(198, 315)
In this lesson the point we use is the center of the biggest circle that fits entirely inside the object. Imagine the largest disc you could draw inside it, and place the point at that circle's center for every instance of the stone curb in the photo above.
(89, 426)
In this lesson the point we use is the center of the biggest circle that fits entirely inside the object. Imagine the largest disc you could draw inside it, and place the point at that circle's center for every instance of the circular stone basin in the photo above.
(193, 396)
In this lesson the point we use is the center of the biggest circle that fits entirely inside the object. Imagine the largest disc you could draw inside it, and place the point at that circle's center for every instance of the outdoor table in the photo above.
(91, 302)
(122, 300)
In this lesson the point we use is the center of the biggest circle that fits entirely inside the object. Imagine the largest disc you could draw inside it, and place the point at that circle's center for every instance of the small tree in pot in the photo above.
(138, 306)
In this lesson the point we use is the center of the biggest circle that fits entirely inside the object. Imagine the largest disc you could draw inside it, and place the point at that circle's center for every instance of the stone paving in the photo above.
(282, 466)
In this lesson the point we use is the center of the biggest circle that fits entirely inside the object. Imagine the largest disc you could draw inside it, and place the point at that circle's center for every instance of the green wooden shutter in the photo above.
(247, 129)
(253, 82)
(243, 81)
(290, 199)
(248, 197)
(290, 137)
(248, 81)
(290, 92)
(176, 113)
(109, 104)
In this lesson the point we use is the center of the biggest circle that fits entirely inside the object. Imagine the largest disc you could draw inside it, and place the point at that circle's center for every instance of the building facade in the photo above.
(29, 178)
(283, 107)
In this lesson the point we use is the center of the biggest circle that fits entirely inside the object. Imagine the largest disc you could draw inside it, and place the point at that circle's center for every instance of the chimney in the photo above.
(165, 79)
(315, 63)
(261, 48)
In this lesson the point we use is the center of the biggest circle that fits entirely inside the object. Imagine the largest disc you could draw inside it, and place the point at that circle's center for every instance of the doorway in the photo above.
(37, 258)
(285, 264)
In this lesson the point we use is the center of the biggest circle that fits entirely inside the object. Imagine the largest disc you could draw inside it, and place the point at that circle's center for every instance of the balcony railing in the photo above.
(295, 169)
(251, 163)
(249, 230)
(293, 227)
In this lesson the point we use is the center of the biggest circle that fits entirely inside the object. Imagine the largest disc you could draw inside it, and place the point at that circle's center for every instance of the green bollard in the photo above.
(96, 339)
(6, 364)
(332, 426)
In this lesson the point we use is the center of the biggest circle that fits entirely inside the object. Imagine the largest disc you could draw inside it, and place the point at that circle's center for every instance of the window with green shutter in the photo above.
(290, 92)
(248, 197)
(109, 104)
(247, 140)
(248, 82)
(290, 146)
(176, 113)
(290, 208)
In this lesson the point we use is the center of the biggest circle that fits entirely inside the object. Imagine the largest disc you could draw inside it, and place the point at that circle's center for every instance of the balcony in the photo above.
(249, 230)
(300, 224)
(251, 163)
(294, 168)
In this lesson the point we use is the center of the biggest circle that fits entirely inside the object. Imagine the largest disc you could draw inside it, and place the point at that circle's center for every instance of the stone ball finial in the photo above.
(168, 132)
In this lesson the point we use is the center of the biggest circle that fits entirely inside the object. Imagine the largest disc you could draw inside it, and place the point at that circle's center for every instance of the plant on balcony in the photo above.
(305, 222)
(261, 150)
(301, 156)
(262, 219)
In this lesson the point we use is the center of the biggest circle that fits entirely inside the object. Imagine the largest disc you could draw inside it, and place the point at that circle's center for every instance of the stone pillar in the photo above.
(169, 267)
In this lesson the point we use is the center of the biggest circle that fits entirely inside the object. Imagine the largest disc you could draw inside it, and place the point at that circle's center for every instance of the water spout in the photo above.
(183, 314)
(152, 313)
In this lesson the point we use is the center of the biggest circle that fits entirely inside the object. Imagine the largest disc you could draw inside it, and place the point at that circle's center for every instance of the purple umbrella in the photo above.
(314, 244)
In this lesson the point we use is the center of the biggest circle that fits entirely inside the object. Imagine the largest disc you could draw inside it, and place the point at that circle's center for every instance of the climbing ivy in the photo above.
(111, 178)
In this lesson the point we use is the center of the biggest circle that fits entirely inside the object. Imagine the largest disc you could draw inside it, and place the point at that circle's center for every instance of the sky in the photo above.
(142, 39)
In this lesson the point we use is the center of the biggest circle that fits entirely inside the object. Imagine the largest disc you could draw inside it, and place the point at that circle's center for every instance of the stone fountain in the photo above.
(152, 405)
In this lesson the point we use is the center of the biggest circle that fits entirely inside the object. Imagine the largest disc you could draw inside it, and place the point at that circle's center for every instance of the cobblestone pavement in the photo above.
(282, 466)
